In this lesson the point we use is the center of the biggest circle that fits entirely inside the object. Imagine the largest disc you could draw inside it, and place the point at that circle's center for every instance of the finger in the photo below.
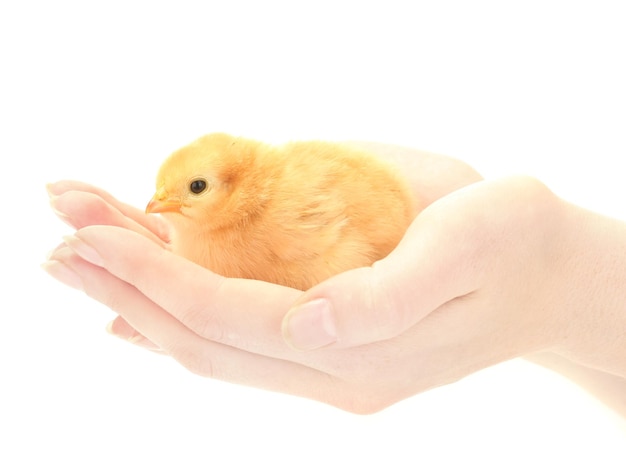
(238, 312)
(241, 313)
(375, 303)
(203, 357)
(120, 328)
(149, 221)
(80, 209)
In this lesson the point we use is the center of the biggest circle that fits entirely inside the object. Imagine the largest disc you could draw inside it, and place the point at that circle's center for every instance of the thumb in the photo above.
(451, 249)
(429, 267)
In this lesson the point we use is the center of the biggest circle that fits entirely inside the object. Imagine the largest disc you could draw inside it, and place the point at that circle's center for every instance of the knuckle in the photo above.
(368, 407)
(203, 316)
(99, 210)
(100, 285)
(388, 313)
(200, 319)
(193, 359)
(358, 402)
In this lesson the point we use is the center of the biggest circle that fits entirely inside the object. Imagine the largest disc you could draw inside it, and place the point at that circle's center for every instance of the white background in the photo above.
(104, 93)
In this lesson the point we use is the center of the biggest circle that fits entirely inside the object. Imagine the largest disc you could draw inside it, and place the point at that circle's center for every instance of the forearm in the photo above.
(608, 388)
(594, 292)
(592, 298)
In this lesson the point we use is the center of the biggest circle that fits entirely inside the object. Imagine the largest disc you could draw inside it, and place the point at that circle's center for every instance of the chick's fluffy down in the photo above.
(293, 215)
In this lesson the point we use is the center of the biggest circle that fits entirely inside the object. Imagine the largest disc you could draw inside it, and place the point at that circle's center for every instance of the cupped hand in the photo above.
(79, 205)
(470, 285)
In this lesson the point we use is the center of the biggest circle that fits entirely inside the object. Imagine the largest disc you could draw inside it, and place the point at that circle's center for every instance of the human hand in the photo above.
(79, 205)
(466, 288)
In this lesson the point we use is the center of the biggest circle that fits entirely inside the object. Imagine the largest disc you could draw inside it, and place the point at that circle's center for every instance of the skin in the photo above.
(489, 271)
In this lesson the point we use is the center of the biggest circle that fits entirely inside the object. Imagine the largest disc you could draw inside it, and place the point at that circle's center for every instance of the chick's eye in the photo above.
(197, 186)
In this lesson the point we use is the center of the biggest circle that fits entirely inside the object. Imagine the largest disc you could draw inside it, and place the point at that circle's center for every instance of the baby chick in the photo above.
(293, 215)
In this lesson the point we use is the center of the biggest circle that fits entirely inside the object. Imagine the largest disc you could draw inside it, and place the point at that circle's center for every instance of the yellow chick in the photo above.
(293, 215)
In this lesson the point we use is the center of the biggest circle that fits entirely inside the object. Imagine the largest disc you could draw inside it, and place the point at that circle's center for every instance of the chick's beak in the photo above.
(160, 204)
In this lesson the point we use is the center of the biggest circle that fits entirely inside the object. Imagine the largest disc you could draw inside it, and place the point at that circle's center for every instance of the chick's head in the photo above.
(196, 185)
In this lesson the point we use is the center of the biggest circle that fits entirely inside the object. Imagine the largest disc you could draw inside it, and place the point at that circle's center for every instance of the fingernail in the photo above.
(121, 329)
(54, 205)
(53, 252)
(83, 250)
(310, 325)
(63, 273)
(50, 190)
(55, 208)
(55, 189)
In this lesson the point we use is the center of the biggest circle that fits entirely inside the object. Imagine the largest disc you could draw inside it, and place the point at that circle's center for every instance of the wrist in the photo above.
(594, 291)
